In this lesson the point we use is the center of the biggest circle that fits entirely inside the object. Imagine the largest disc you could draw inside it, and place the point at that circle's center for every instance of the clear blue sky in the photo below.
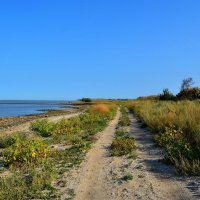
(67, 49)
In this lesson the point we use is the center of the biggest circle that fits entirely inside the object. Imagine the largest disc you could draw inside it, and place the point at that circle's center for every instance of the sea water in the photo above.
(13, 108)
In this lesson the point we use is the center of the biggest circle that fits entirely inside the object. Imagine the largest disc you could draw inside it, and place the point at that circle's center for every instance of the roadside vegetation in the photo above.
(175, 122)
(176, 125)
(123, 144)
(31, 165)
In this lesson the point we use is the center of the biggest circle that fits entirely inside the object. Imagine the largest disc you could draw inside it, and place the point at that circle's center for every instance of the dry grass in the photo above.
(100, 109)
(184, 115)
(177, 125)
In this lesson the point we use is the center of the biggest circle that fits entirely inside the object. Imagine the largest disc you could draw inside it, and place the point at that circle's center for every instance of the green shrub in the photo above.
(120, 133)
(123, 146)
(43, 126)
(175, 144)
(179, 152)
(128, 177)
(167, 95)
(25, 151)
(6, 141)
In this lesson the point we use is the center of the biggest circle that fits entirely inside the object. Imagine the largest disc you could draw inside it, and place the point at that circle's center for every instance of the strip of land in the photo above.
(24, 125)
(11, 122)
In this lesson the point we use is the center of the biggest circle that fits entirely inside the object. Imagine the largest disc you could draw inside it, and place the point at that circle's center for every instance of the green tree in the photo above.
(166, 95)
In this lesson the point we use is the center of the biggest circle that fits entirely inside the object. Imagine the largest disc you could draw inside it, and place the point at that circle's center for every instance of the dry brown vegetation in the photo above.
(100, 108)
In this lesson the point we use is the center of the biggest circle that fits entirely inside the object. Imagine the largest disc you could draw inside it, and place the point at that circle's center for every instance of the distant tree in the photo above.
(151, 97)
(187, 83)
(87, 100)
(167, 95)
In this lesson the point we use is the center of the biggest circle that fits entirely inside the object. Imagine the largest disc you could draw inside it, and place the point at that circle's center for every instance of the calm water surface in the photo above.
(20, 108)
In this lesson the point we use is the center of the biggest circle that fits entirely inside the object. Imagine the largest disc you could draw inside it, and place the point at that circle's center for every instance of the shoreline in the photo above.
(10, 122)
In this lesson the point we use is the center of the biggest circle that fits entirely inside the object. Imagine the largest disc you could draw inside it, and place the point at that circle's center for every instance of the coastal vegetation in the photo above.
(8, 122)
(32, 165)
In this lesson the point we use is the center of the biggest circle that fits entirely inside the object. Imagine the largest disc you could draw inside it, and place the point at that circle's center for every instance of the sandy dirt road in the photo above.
(100, 176)
(93, 181)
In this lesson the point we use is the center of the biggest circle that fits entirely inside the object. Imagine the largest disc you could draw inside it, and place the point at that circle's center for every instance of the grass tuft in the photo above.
(128, 177)
(123, 146)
